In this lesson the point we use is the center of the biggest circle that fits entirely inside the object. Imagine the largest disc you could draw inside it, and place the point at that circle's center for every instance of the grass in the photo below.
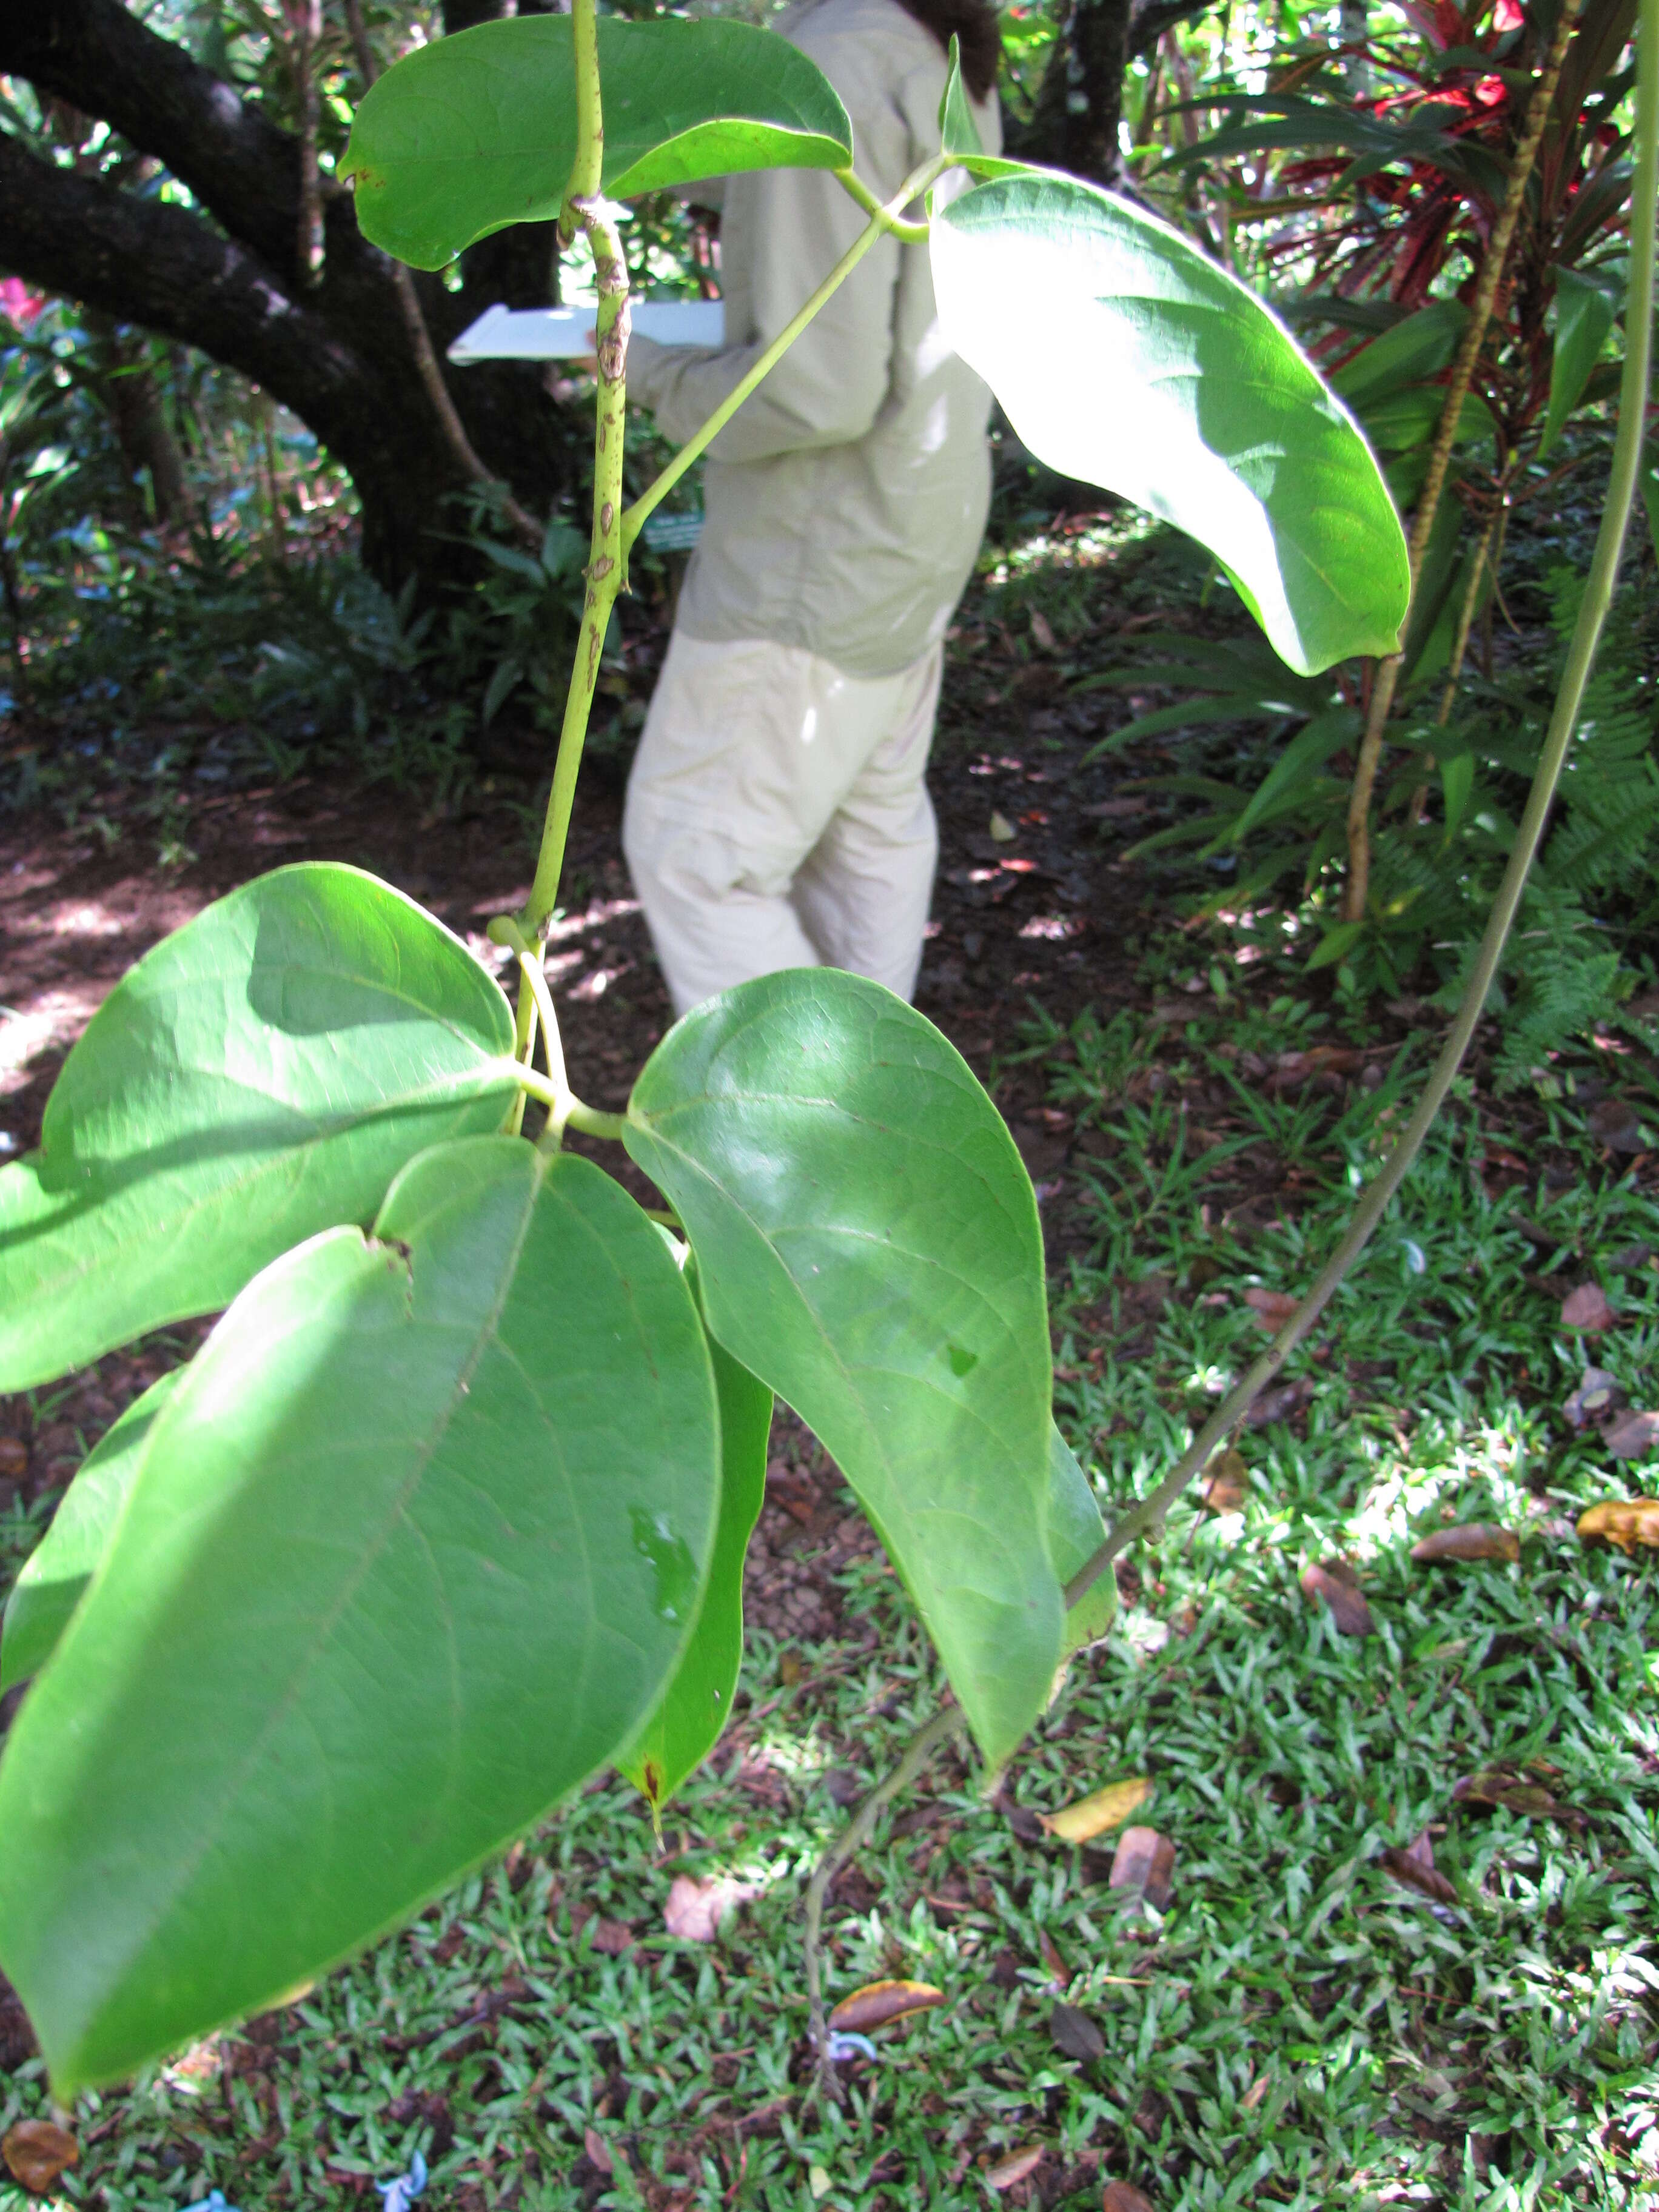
(1298, 2027)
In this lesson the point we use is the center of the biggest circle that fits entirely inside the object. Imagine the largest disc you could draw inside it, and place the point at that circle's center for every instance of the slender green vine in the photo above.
(1581, 655)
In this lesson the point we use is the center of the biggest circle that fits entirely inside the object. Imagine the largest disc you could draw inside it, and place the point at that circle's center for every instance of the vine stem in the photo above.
(946, 1722)
(1462, 371)
(884, 218)
(1581, 654)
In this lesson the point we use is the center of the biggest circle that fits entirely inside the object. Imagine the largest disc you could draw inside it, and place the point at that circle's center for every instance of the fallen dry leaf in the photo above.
(1632, 1434)
(1415, 1867)
(1092, 1816)
(1003, 831)
(695, 1909)
(1144, 1860)
(599, 2151)
(38, 2151)
(1041, 630)
(1587, 1308)
(1017, 2166)
(1075, 2033)
(13, 1459)
(611, 1937)
(1121, 2197)
(1280, 1404)
(1502, 1785)
(1469, 1540)
(791, 1671)
(1053, 1959)
(1618, 1125)
(1597, 1395)
(1227, 1482)
(878, 2003)
(1334, 1581)
(1255, 2093)
(1272, 1308)
(1625, 1521)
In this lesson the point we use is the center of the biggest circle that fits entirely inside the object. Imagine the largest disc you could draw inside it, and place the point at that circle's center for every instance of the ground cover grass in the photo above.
(1298, 2027)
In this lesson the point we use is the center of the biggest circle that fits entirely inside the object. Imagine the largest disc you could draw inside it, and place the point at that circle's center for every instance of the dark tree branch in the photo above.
(102, 59)
(1148, 24)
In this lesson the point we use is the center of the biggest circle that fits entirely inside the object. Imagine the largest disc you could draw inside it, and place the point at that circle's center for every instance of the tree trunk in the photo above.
(1079, 107)
(337, 351)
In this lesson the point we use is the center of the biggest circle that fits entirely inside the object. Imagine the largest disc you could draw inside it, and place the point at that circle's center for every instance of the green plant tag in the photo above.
(472, 133)
(867, 1242)
(697, 1703)
(261, 1074)
(1124, 356)
(417, 1542)
(57, 1573)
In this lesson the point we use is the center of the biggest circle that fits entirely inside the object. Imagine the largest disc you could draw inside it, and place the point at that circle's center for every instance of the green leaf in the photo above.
(261, 1074)
(1584, 315)
(1076, 1533)
(1456, 784)
(958, 133)
(1122, 356)
(697, 1703)
(1650, 481)
(56, 1573)
(867, 1243)
(1400, 421)
(414, 1545)
(1421, 346)
(472, 133)
(1335, 945)
(1311, 748)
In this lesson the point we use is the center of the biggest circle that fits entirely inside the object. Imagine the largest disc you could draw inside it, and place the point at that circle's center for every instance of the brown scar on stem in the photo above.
(607, 516)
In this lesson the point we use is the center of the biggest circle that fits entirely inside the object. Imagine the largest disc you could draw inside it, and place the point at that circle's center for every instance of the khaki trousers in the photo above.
(777, 816)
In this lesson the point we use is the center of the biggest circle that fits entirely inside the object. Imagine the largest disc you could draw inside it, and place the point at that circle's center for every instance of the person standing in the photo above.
(777, 814)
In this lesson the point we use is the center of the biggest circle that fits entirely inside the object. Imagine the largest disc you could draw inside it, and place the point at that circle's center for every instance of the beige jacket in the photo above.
(847, 497)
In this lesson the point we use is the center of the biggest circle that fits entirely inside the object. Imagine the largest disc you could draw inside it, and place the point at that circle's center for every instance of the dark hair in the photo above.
(974, 24)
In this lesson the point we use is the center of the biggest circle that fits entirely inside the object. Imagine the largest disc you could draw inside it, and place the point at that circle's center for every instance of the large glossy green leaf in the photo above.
(1076, 1533)
(697, 1703)
(868, 1245)
(474, 132)
(414, 1546)
(1123, 356)
(261, 1074)
(57, 1573)
(1585, 312)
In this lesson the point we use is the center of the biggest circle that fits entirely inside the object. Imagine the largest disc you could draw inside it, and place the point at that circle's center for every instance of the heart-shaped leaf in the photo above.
(472, 133)
(867, 1243)
(414, 1545)
(1123, 356)
(697, 1703)
(57, 1570)
(261, 1074)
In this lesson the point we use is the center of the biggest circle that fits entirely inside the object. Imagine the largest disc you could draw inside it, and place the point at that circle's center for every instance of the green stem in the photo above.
(1581, 655)
(908, 233)
(945, 1723)
(882, 221)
